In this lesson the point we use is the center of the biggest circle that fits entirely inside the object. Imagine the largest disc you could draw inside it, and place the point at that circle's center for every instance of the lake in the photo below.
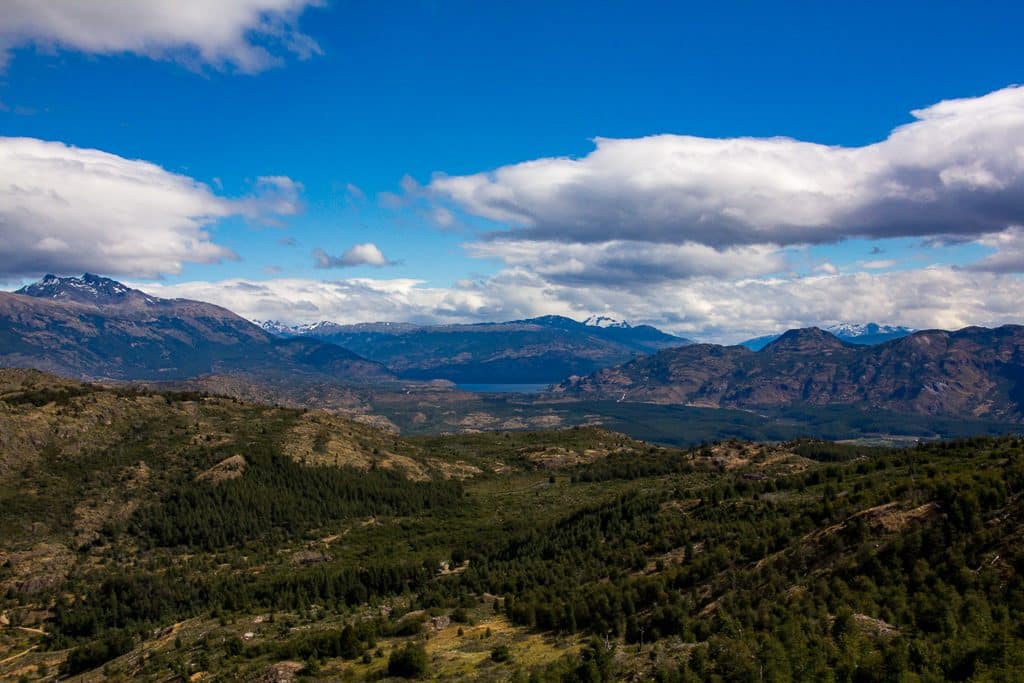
(504, 388)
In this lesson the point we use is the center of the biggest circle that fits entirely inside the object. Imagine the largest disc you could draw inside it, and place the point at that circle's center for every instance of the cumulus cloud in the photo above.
(957, 169)
(442, 217)
(354, 193)
(1009, 255)
(367, 254)
(345, 301)
(937, 297)
(273, 196)
(706, 308)
(711, 309)
(248, 35)
(631, 263)
(878, 264)
(412, 194)
(67, 209)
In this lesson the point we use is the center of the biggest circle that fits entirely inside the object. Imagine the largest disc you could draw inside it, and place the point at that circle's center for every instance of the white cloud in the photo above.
(274, 196)
(354, 193)
(937, 297)
(66, 209)
(878, 264)
(249, 35)
(958, 169)
(442, 217)
(368, 254)
(347, 301)
(623, 262)
(685, 231)
(1009, 255)
(706, 308)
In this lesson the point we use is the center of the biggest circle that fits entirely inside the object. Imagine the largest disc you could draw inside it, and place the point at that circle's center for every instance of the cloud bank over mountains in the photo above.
(708, 308)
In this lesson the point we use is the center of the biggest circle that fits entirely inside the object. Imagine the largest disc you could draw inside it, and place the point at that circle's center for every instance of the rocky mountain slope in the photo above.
(972, 372)
(545, 349)
(96, 328)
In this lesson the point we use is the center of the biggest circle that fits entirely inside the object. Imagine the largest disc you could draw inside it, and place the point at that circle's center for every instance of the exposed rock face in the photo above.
(96, 328)
(229, 468)
(37, 569)
(975, 372)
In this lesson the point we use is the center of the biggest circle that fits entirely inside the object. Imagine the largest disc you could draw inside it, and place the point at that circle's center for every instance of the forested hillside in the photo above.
(165, 536)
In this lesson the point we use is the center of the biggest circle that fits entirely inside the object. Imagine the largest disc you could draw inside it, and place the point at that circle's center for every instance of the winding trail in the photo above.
(20, 654)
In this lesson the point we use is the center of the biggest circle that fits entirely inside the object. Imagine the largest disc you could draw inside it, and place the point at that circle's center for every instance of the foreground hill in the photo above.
(537, 350)
(159, 537)
(93, 327)
(972, 372)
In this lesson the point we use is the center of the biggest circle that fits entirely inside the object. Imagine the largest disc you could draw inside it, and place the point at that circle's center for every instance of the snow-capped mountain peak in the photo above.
(89, 288)
(275, 327)
(605, 321)
(867, 334)
(853, 330)
(282, 329)
(320, 327)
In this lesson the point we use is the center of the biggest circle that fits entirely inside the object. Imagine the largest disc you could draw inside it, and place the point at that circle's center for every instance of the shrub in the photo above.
(408, 662)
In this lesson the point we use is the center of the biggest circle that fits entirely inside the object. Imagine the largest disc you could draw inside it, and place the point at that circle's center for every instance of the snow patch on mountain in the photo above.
(605, 322)
(854, 333)
(275, 327)
(86, 289)
(282, 329)
(854, 330)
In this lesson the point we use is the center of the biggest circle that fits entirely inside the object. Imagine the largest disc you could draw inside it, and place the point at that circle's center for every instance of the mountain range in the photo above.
(95, 328)
(975, 371)
(867, 334)
(92, 327)
(537, 350)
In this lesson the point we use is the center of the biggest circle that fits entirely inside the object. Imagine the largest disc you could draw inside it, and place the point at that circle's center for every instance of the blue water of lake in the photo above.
(504, 388)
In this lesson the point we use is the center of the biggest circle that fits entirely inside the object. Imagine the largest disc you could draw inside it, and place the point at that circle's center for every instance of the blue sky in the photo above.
(350, 98)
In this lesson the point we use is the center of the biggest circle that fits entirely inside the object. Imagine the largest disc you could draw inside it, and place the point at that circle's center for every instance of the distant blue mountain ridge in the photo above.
(540, 350)
(865, 334)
